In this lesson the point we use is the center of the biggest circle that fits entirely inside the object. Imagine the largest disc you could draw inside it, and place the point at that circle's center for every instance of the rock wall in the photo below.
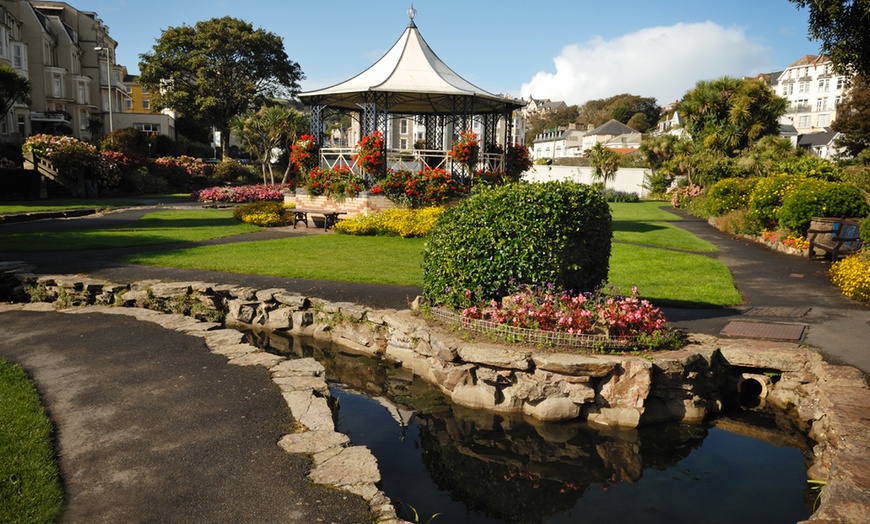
(831, 403)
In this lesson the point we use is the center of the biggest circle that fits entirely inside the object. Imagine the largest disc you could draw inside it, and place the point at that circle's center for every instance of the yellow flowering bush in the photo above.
(392, 222)
(852, 275)
(263, 214)
(768, 195)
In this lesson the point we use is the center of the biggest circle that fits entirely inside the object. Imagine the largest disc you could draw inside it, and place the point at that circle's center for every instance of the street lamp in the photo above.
(108, 51)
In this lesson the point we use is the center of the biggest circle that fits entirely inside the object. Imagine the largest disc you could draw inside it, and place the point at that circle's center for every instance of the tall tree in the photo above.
(853, 117)
(218, 69)
(729, 114)
(658, 150)
(843, 27)
(605, 162)
(14, 88)
(642, 112)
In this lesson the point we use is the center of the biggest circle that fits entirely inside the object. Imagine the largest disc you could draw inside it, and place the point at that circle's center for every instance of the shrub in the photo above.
(337, 183)
(177, 171)
(816, 198)
(392, 222)
(682, 195)
(612, 195)
(808, 166)
(516, 161)
(556, 232)
(729, 194)
(263, 214)
(740, 222)
(852, 275)
(769, 194)
(232, 172)
(69, 155)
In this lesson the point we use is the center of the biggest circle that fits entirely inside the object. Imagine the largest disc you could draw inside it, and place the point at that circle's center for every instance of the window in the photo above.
(81, 93)
(822, 104)
(837, 101)
(146, 104)
(144, 90)
(83, 119)
(57, 86)
(403, 143)
(824, 85)
(147, 128)
(788, 89)
(19, 57)
(841, 83)
(804, 121)
(803, 86)
(824, 120)
(403, 127)
(4, 42)
(128, 103)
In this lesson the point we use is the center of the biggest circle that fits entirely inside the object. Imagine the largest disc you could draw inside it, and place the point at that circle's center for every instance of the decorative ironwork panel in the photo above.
(316, 124)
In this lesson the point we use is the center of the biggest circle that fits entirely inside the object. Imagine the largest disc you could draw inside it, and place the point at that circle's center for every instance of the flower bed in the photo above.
(547, 316)
(852, 275)
(241, 194)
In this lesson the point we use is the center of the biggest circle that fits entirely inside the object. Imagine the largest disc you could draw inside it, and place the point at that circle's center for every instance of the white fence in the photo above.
(629, 179)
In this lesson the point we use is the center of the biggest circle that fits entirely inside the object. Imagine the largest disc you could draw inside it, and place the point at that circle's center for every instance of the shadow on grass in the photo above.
(630, 226)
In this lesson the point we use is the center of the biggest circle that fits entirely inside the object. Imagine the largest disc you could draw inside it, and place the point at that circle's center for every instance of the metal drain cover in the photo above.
(793, 312)
(767, 330)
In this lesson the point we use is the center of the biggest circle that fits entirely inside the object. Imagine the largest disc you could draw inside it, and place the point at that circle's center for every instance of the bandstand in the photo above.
(410, 80)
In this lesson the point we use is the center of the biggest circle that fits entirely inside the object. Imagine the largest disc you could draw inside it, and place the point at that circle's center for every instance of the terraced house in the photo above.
(68, 56)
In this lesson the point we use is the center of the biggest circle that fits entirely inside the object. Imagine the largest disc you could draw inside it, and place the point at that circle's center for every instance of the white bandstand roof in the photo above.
(414, 81)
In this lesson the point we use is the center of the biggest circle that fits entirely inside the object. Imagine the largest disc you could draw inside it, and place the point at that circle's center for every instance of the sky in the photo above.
(571, 50)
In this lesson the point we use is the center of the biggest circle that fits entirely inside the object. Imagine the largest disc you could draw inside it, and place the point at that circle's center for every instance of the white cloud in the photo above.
(661, 62)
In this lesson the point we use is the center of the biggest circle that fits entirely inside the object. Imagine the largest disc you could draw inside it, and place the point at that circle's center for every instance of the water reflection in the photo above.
(473, 466)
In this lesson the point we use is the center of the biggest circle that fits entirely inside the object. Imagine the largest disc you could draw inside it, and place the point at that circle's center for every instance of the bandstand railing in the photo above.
(410, 160)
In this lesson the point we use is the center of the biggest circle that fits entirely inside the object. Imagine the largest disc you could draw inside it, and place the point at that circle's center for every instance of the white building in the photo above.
(813, 91)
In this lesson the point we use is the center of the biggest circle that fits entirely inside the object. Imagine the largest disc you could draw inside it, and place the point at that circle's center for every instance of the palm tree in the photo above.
(605, 162)
(269, 129)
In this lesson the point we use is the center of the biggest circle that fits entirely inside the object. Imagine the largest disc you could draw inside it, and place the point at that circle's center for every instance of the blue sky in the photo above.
(572, 50)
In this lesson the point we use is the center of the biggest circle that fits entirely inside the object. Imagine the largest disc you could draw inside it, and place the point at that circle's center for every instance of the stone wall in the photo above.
(363, 204)
(830, 403)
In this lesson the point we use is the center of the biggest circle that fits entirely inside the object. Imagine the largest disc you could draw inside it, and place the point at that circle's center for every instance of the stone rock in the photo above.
(309, 384)
(223, 336)
(256, 359)
(233, 351)
(268, 295)
(311, 442)
(766, 355)
(353, 465)
(279, 319)
(301, 367)
(577, 365)
(627, 386)
(494, 356)
(171, 289)
(293, 300)
(552, 409)
(480, 395)
(310, 411)
(622, 417)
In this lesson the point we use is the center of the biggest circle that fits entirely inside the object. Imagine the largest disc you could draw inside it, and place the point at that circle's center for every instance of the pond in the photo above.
(472, 466)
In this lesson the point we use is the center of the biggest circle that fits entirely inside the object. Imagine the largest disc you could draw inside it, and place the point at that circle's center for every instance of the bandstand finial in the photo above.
(412, 13)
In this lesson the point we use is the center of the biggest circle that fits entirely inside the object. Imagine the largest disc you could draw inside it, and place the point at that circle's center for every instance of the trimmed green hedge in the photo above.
(817, 198)
(553, 233)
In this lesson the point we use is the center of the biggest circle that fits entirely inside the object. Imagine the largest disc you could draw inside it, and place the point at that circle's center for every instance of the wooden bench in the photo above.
(836, 236)
(329, 217)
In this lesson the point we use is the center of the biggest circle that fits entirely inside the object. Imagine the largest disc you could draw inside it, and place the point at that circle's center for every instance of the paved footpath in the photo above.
(836, 326)
(152, 427)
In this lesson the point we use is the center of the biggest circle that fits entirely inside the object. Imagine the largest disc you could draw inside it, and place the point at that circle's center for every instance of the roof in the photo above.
(808, 60)
(817, 139)
(417, 81)
(612, 127)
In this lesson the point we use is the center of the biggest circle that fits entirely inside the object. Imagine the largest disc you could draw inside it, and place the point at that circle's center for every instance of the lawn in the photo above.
(666, 263)
(30, 487)
(380, 260)
(65, 204)
(160, 227)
